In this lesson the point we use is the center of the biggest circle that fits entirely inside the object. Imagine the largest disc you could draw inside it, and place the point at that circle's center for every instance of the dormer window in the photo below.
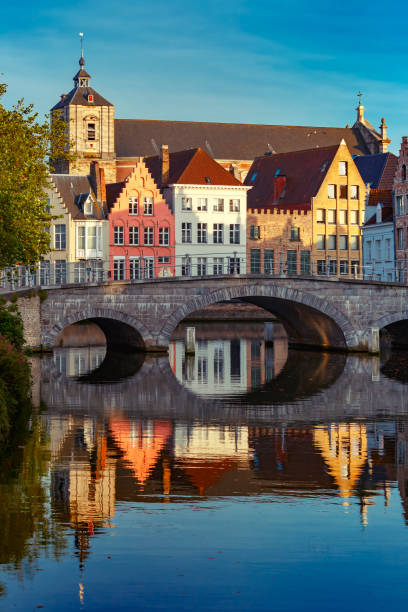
(91, 131)
(88, 207)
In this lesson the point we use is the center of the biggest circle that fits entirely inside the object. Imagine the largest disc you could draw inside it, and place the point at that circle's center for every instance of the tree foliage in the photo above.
(28, 149)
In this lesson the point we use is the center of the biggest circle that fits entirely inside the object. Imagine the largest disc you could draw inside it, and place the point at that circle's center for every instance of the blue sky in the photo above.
(292, 62)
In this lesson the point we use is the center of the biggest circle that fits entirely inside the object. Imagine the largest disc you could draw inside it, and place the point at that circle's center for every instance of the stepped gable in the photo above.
(191, 167)
(72, 188)
(377, 170)
(299, 173)
(228, 141)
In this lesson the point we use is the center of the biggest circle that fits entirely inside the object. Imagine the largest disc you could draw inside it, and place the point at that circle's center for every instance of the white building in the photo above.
(378, 241)
(209, 205)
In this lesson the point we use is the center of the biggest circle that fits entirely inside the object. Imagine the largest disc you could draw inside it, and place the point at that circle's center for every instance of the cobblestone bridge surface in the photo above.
(316, 312)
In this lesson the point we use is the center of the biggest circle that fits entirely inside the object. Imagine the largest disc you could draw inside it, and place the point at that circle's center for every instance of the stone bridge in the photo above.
(326, 313)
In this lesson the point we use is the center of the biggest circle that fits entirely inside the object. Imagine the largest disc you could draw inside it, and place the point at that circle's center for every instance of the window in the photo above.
(118, 268)
(331, 192)
(164, 236)
(291, 261)
(268, 261)
(234, 205)
(342, 168)
(369, 254)
(218, 265)
(88, 208)
(202, 233)
(343, 266)
(320, 215)
(332, 242)
(354, 192)
(255, 232)
(234, 265)
(404, 172)
(343, 217)
(186, 266)
(321, 242)
(134, 205)
(321, 266)
(219, 364)
(45, 270)
(79, 272)
(343, 192)
(218, 233)
(60, 271)
(400, 206)
(165, 259)
(60, 237)
(149, 236)
(201, 266)
(186, 231)
(255, 261)
(294, 234)
(133, 234)
(135, 268)
(148, 267)
(343, 242)
(355, 267)
(332, 267)
(186, 203)
(91, 131)
(202, 204)
(81, 237)
(331, 216)
(202, 370)
(118, 234)
(91, 238)
(305, 262)
(218, 205)
(378, 250)
(148, 206)
(354, 217)
(234, 233)
(388, 249)
(354, 243)
(400, 238)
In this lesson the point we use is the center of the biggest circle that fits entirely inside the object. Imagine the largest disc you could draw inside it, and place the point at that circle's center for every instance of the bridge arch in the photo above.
(308, 319)
(120, 329)
(396, 324)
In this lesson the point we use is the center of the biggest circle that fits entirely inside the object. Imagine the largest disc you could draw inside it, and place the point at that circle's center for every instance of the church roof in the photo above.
(79, 96)
(227, 141)
(191, 167)
(298, 176)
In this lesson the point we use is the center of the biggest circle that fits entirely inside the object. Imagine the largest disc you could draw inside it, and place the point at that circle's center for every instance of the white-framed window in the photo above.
(218, 233)
(331, 216)
(81, 237)
(91, 128)
(149, 236)
(342, 168)
(332, 242)
(343, 217)
(135, 268)
(321, 242)
(343, 242)
(218, 265)
(186, 266)
(118, 234)
(134, 234)
(400, 238)
(234, 265)
(88, 207)
(354, 217)
(354, 243)
(118, 268)
(164, 259)
(333, 267)
(321, 215)
(218, 205)
(60, 236)
(343, 266)
(164, 236)
(255, 232)
(201, 266)
(202, 233)
(354, 192)
(45, 272)
(148, 267)
(388, 249)
(148, 206)
(186, 203)
(202, 204)
(133, 205)
(186, 232)
(234, 205)
(234, 233)
(79, 272)
(331, 192)
(60, 271)
(91, 241)
(321, 266)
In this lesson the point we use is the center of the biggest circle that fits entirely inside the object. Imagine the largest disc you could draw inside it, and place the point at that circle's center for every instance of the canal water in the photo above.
(244, 477)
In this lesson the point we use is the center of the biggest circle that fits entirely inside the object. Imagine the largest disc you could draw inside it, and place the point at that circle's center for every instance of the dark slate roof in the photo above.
(378, 170)
(74, 189)
(304, 172)
(79, 95)
(229, 141)
(113, 191)
(387, 217)
(191, 167)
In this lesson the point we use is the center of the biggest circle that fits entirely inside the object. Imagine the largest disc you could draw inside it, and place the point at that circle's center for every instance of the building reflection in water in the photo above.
(78, 361)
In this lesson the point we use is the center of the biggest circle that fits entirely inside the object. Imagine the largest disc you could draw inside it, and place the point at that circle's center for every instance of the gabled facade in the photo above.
(378, 238)
(209, 207)
(401, 213)
(141, 228)
(304, 212)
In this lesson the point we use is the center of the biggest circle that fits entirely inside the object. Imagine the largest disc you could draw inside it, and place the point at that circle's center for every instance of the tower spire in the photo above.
(82, 78)
(360, 108)
(81, 59)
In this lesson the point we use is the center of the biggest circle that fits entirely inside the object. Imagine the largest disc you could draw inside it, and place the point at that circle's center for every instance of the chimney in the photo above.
(384, 142)
(98, 181)
(63, 96)
(165, 164)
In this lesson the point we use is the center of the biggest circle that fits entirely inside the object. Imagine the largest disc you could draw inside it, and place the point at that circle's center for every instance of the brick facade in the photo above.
(401, 212)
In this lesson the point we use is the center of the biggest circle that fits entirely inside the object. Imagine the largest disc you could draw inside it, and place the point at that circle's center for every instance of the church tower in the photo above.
(91, 131)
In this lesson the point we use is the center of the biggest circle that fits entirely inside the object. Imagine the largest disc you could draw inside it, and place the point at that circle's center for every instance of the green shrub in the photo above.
(15, 385)
(11, 325)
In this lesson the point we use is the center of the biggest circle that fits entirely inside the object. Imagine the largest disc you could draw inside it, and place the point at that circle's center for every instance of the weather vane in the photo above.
(360, 95)
(81, 36)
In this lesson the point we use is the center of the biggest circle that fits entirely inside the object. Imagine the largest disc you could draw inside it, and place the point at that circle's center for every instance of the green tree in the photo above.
(28, 149)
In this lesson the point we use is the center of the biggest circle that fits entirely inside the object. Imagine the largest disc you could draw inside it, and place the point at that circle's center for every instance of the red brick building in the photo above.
(401, 212)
